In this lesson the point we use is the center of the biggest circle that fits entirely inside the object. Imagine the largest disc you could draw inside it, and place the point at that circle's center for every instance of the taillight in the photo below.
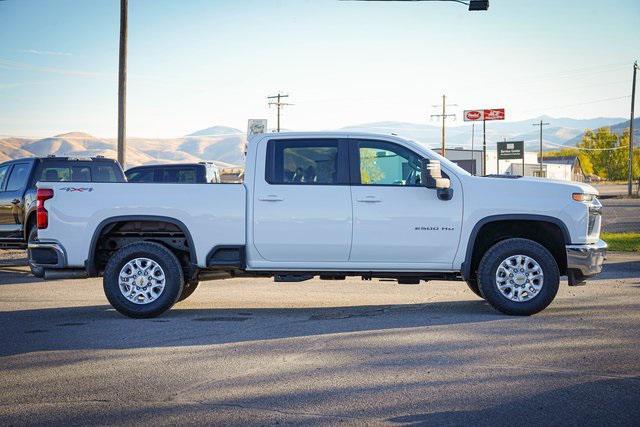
(42, 215)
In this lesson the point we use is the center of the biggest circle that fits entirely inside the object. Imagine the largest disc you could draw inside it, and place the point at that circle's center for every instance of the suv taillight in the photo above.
(42, 214)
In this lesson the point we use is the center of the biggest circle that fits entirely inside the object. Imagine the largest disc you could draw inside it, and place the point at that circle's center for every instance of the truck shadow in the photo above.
(16, 274)
(75, 328)
(100, 327)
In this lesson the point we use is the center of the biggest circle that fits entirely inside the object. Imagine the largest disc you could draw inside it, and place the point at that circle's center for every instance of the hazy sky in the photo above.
(194, 64)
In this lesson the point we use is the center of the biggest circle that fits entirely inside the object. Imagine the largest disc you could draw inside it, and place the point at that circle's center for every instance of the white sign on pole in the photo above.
(256, 126)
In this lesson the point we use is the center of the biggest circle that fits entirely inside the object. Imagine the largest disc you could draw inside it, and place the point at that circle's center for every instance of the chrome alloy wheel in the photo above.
(519, 278)
(141, 280)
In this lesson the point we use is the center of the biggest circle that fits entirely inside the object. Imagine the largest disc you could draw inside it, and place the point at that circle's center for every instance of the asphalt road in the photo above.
(255, 352)
(621, 215)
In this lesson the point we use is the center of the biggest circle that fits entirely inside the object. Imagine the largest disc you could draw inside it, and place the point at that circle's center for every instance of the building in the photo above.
(567, 168)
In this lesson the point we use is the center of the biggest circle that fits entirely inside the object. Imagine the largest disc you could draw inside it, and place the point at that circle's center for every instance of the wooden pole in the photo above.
(122, 85)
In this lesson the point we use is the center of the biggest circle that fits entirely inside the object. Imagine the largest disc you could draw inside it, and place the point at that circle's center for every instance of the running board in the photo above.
(292, 277)
(57, 274)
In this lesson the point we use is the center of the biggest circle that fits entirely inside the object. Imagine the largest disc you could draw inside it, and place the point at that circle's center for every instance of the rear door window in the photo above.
(306, 162)
(18, 177)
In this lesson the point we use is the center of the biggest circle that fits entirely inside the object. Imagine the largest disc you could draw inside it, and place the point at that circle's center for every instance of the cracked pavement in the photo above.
(250, 351)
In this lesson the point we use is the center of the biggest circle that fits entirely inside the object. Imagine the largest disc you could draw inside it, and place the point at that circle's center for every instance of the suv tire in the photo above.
(516, 261)
(143, 280)
(33, 237)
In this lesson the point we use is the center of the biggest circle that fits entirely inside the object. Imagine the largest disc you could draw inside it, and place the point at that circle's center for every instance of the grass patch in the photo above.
(625, 242)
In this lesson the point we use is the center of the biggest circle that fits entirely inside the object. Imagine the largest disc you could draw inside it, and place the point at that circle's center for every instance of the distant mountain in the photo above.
(560, 131)
(217, 131)
(225, 148)
(227, 144)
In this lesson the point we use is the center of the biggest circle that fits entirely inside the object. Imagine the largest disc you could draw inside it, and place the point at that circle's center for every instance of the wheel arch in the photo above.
(90, 262)
(30, 220)
(467, 265)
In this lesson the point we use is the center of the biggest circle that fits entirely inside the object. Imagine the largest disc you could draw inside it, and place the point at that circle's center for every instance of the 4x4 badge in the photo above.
(77, 189)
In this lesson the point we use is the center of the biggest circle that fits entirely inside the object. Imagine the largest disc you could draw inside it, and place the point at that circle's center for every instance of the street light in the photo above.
(474, 5)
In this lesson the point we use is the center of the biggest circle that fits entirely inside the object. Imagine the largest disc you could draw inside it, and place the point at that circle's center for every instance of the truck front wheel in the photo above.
(473, 285)
(189, 288)
(518, 277)
(143, 280)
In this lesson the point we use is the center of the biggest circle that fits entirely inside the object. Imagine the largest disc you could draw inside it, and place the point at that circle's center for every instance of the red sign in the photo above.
(487, 114)
(473, 115)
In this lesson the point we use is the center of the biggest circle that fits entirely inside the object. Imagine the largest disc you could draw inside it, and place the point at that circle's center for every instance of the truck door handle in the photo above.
(15, 201)
(370, 199)
(271, 198)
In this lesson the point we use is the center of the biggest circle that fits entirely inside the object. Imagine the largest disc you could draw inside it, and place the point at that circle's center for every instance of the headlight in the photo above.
(582, 197)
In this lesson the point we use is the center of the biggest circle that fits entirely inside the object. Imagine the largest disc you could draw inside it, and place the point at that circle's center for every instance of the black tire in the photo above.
(189, 288)
(473, 285)
(33, 237)
(174, 280)
(501, 251)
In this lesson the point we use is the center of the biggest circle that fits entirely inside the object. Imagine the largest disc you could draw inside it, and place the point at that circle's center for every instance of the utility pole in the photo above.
(122, 85)
(541, 159)
(484, 147)
(444, 116)
(279, 104)
(473, 154)
(633, 101)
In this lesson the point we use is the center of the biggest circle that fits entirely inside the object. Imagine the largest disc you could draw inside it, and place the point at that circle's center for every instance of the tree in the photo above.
(607, 153)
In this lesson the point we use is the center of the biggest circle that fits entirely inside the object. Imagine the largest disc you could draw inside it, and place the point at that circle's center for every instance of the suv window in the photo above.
(179, 175)
(3, 174)
(18, 177)
(302, 162)
(386, 163)
(140, 175)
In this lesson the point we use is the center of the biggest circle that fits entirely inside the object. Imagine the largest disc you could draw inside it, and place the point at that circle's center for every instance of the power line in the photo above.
(582, 148)
(575, 105)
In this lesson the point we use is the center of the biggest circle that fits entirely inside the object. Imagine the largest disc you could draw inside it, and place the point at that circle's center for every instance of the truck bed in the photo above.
(213, 214)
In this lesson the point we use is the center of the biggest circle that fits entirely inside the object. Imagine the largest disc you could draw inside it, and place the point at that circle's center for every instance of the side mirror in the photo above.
(431, 177)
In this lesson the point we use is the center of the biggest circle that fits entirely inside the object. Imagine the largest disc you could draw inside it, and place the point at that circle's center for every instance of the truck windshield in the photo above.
(451, 165)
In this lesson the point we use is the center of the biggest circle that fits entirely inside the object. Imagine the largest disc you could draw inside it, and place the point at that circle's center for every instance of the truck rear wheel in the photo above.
(143, 280)
(518, 277)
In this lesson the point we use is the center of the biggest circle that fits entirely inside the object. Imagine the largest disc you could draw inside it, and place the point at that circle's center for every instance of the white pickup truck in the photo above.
(329, 205)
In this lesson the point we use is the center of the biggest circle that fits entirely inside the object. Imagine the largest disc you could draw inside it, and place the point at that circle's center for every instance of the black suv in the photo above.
(181, 173)
(18, 190)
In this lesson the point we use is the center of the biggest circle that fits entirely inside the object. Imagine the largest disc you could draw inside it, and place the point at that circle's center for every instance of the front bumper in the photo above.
(585, 261)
